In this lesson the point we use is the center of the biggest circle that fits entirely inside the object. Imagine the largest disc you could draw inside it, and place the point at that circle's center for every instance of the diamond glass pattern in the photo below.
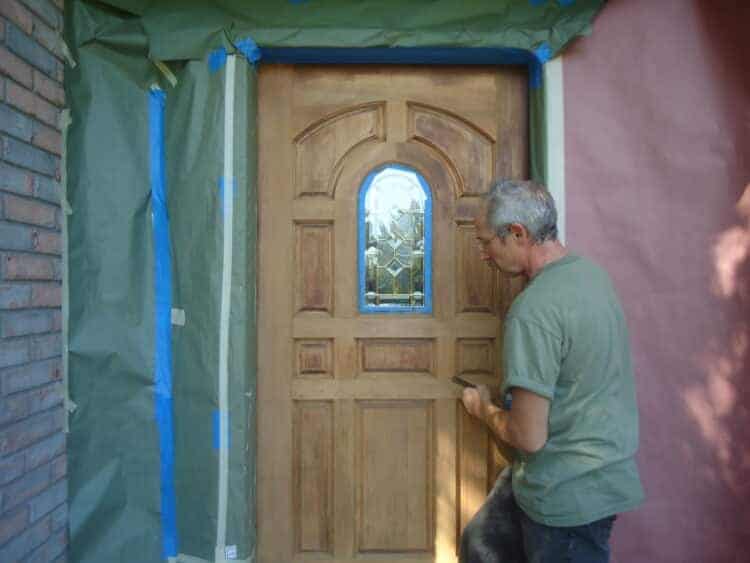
(394, 239)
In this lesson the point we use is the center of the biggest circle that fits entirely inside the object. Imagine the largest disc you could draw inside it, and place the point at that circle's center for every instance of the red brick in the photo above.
(20, 546)
(11, 468)
(46, 241)
(28, 431)
(47, 38)
(21, 378)
(27, 486)
(28, 102)
(13, 408)
(56, 321)
(30, 267)
(25, 210)
(49, 89)
(46, 295)
(11, 524)
(47, 138)
(16, 68)
(59, 468)
(16, 13)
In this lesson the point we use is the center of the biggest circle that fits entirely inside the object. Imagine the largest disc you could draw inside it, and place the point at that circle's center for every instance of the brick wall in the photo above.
(33, 486)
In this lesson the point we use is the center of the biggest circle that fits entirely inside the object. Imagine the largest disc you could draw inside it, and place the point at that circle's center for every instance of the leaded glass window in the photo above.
(395, 242)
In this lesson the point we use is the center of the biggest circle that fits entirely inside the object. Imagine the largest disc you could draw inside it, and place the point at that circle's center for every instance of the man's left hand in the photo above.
(477, 401)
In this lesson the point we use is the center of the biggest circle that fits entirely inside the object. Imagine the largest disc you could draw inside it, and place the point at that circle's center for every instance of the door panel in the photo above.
(364, 450)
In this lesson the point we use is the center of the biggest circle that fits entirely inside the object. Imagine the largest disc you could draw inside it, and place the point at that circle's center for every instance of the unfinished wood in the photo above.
(397, 355)
(468, 149)
(314, 357)
(275, 312)
(394, 476)
(364, 452)
(476, 355)
(381, 385)
(473, 443)
(313, 475)
(321, 147)
(314, 267)
(476, 284)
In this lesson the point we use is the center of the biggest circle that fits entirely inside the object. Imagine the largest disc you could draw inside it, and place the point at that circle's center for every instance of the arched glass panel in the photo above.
(395, 242)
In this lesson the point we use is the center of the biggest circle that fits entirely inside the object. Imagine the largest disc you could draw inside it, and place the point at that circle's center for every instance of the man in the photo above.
(573, 421)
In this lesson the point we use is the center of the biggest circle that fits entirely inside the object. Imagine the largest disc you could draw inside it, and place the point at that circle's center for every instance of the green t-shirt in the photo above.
(566, 340)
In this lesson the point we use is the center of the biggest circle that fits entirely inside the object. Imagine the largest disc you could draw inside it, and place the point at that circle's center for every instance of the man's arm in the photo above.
(524, 426)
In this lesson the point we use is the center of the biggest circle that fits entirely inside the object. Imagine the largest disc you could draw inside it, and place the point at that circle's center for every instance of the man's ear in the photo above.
(518, 231)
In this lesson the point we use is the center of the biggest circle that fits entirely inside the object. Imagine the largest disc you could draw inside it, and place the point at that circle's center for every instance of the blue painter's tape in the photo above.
(217, 58)
(217, 429)
(225, 187)
(163, 318)
(536, 75)
(537, 2)
(566, 3)
(250, 49)
(543, 53)
(398, 55)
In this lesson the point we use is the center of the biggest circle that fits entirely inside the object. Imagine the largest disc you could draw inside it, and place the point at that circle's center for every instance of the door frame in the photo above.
(549, 73)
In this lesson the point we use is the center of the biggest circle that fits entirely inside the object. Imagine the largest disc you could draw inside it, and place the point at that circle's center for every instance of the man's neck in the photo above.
(542, 254)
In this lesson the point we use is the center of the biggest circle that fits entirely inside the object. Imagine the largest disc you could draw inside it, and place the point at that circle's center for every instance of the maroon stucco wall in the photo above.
(657, 113)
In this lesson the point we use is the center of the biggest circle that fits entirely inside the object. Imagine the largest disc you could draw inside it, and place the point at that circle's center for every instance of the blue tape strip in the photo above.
(250, 49)
(398, 55)
(537, 2)
(217, 429)
(225, 186)
(217, 58)
(566, 3)
(543, 53)
(163, 303)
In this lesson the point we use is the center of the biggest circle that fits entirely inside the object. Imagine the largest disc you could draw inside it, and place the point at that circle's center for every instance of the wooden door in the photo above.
(364, 450)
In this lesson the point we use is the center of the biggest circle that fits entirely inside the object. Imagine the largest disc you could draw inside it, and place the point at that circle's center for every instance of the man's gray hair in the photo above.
(523, 202)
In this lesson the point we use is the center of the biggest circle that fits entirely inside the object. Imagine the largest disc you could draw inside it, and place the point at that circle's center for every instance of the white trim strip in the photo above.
(226, 287)
(555, 108)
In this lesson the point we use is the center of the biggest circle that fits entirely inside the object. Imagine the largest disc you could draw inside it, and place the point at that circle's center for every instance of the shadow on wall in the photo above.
(720, 403)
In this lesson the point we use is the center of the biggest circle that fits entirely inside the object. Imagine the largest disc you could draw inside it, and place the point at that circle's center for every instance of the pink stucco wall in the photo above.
(657, 113)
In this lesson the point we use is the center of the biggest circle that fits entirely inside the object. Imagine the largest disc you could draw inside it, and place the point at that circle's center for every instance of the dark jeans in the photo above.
(577, 544)
(502, 533)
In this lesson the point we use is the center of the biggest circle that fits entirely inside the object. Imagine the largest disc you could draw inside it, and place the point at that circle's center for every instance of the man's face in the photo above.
(503, 254)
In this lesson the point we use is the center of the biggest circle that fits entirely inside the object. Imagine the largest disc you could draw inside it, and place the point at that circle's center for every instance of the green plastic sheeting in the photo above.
(116, 466)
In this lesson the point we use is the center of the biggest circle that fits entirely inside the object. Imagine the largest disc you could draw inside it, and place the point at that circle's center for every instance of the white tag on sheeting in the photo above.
(230, 552)
(178, 317)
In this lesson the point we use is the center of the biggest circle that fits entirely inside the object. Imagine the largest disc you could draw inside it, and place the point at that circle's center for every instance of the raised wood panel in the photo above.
(396, 355)
(476, 284)
(314, 267)
(473, 442)
(394, 451)
(313, 358)
(476, 355)
(324, 144)
(313, 475)
(469, 150)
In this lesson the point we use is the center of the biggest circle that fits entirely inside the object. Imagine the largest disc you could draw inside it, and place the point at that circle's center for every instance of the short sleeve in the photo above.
(532, 356)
